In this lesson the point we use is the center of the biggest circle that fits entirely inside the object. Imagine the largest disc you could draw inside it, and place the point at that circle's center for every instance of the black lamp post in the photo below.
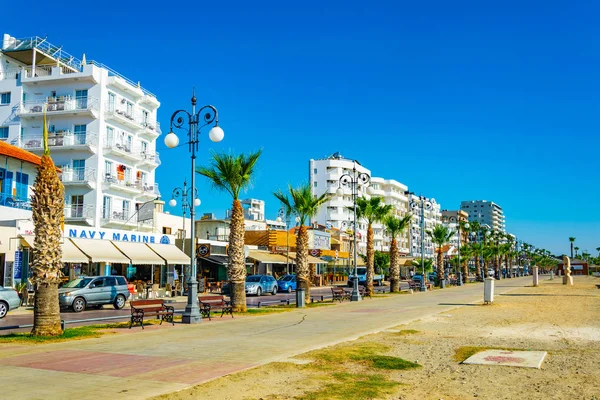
(354, 180)
(186, 206)
(422, 203)
(192, 123)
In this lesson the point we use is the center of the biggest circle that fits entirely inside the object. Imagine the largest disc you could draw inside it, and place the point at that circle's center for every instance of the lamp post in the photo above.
(283, 216)
(186, 205)
(354, 180)
(423, 204)
(195, 121)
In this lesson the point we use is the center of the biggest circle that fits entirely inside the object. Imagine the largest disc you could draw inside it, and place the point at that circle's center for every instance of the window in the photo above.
(126, 208)
(22, 183)
(77, 206)
(106, 201)
(144, 117)
(78, 170)
(121, 281)
(315, 171)
(4, 99)
(98, 282)
(110, 134)
(3, 132)
(79, 133)
(166, 230)
(110, 281)
(81, 99)
(130, 109)
(111, 101)
(315, 184)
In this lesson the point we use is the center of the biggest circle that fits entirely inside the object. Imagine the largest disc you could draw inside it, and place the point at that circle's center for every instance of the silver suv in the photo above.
(91, 291)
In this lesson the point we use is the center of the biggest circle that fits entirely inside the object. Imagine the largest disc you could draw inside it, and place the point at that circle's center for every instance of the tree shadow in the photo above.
(547, 294)
(458, 304)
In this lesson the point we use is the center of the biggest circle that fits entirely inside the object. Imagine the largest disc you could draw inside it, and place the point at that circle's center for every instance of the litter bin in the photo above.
(300, 300)
(488, 290)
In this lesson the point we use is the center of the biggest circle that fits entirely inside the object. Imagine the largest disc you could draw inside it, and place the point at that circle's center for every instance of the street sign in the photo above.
(146, 211)
(203, 250)
(314, 252)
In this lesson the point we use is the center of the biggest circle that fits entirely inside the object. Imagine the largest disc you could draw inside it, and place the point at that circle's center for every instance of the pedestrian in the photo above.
(412, 273)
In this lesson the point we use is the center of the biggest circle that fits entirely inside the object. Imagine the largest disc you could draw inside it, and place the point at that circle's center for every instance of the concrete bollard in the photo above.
(488, 290)
(535, 276)
(551, 275)
(300, 299)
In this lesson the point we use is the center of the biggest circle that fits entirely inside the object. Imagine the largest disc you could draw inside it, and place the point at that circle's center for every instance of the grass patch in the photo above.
(406, 332)
(464, 352)
(353, 386)
(366, 354)
(81, 332)
(263, 311)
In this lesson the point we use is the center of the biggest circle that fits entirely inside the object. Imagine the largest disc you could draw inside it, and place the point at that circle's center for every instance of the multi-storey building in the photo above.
(486, 213)
(102, 129)
(452, 218)
(432, 217)
(324, 177)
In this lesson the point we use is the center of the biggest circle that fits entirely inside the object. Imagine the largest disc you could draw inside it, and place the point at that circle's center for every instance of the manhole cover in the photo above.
(527, 359)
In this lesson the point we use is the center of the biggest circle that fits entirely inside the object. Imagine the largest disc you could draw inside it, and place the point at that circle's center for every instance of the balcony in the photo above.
(80, 213)
(149, 159)
(11, 73)
(149, 130)
(149, 192)
(47, 73)
(8, 200)
(79, 177)
(120, 148)
(62, 140)
(124, 116)
(118, 217)
(111, 182)
(61, 105)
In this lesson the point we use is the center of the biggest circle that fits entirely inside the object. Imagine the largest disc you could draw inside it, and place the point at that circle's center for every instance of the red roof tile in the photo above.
(14, 152)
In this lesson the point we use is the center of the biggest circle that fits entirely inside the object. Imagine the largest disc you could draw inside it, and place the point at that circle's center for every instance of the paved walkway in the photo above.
(163, 359)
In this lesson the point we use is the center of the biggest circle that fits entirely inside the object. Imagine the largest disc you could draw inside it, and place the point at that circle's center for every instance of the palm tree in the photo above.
(466, 253)
(477, 249)
(427, 263)
(232, 174)
(47, 206)
(598, 250)
(440, 235)
(372, 210)
(572, 240)
(395, 226)
(305, 206)
(576, 250)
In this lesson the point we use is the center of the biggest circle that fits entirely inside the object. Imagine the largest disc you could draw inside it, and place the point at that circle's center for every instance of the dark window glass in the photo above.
(121, 280)
(110, 281)
(99, 282)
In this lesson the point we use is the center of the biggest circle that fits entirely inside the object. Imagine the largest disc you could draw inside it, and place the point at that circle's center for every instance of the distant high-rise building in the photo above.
(486, 213)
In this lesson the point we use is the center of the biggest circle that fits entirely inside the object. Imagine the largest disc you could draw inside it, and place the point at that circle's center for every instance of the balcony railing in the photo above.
(11, 73)
(79, 211)
(118, 214)
(59, 104)
(60, 139)
(8, 200)
(78, 175)
(150, 157)
(120, 145)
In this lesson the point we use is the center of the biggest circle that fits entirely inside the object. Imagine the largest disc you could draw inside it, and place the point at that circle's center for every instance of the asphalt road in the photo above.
(107, 313)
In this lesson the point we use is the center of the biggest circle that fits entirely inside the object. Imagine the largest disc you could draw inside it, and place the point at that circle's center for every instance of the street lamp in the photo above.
(457, 220)
(195, 122)
(422, 203)
(185, 194)
(354, 180)
(283, 216)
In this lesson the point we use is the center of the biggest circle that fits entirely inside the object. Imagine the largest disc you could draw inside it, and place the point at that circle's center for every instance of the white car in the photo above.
(9, 300)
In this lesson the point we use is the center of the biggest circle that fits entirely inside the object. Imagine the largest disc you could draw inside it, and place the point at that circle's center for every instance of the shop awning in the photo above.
(100, 251)
(266, 257)
(216, 259)
(170, 253)
(71, 254)
(311, 259)
(139, 253)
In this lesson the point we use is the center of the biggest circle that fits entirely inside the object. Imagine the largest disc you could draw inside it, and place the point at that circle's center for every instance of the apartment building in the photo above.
(324, 177)
(451, 219)
(486, 213)
(102, 130)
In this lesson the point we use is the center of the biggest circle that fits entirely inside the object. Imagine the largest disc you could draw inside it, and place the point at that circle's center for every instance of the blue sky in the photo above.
(459, 100)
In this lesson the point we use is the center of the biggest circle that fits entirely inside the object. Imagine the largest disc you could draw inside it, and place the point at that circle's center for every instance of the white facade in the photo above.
(486, 213)
(324, 176)
(102, 130)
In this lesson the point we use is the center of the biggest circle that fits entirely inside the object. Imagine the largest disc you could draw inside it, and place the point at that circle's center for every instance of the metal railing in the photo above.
(78, 175)
(75, 211)
(59, 104)
(8, 200)
(152, 157)
(112, 72)
(114, 213)
(117, 144)
(60, 139)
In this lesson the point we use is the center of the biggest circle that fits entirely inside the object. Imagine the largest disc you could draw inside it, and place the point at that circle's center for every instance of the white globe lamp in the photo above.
(216, 134)
(196, 202)
(172, 202)
(171, 140)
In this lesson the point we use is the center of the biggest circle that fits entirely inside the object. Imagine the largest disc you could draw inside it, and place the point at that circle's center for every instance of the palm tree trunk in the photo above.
(507, 266)
(465, 269)
(47, 213)
(440, 267)
(477, 265)
(394, 268)
(496, 267)
(302, 270)
(236, 270)
(370, 259)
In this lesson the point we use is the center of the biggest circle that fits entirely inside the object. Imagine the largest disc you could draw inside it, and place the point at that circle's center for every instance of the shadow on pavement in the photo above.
(548, 295)
(459, 304)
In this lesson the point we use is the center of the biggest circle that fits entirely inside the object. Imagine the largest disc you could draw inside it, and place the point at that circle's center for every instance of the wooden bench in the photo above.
(363, 291)
(339, 294)
(214, 303)
(150, 308)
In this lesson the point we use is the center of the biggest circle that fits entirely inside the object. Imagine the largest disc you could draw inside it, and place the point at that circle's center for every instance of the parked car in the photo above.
(9, 300)
(287, 283)
(362, 277)
(431, 276)
(259, 284)
(89, 291)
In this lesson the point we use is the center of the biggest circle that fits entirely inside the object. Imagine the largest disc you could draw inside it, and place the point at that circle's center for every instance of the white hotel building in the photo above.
(324, 176)
(102, 130)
